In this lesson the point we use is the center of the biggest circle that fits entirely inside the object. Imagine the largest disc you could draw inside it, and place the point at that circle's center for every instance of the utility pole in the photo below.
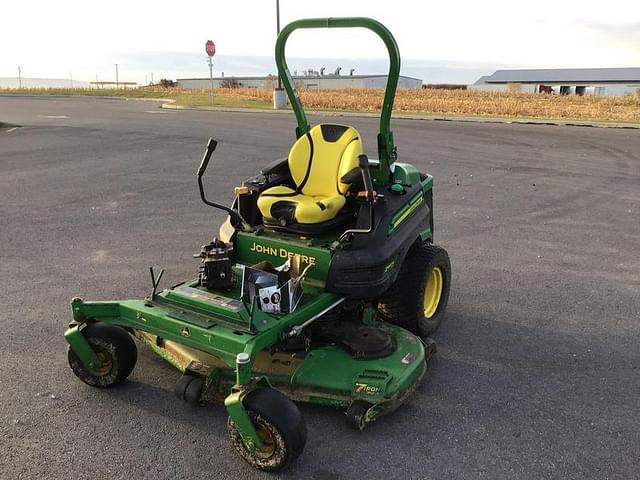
(145, 79)
(151, 78)
(19, 77)
(278, 33)
(117, 81)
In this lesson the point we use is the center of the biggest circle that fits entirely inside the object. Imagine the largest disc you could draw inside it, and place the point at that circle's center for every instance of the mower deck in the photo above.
(201, 332)
(327, 375)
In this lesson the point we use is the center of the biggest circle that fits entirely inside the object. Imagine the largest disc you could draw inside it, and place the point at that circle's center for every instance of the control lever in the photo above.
(363, 162)
(211, 146)
(370, 195)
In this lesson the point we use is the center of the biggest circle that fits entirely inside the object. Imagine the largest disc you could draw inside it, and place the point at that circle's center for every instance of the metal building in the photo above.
(564, 81)
(321, 82)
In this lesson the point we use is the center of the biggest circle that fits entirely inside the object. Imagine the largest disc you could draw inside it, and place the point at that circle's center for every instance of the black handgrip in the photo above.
(211, 146)
(366, 175)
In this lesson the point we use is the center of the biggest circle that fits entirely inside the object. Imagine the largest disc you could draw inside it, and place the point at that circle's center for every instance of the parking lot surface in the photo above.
(537, 372)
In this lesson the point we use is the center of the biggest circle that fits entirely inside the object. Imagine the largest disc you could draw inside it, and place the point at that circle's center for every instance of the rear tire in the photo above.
(116, 350)
(280, 426)
(418, 298)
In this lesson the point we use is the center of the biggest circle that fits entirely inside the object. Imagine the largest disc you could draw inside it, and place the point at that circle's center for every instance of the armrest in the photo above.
(277, 167)
(352, 176)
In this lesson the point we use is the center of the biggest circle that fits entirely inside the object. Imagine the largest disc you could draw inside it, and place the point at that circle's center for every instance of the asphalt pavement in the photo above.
(537, 372)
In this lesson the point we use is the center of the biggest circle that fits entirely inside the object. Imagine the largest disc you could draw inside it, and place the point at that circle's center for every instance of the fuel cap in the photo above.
(397, 188)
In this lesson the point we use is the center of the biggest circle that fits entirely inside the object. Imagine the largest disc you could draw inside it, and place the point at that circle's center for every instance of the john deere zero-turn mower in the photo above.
(321, 286)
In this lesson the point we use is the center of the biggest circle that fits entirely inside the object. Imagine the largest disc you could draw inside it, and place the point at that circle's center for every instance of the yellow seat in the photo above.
(317, 162)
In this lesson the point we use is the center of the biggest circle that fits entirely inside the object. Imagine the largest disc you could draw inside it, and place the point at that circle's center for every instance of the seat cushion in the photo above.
(282, 202)
(317, 162)
(321, 157)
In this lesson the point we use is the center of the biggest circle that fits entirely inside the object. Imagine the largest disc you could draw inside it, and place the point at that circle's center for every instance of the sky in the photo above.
(439, 40)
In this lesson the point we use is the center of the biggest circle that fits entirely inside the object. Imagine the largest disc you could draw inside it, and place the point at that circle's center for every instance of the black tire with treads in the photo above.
(117, 349)
(182, 384)
(193, 391)
(402, 304)
(274, 410)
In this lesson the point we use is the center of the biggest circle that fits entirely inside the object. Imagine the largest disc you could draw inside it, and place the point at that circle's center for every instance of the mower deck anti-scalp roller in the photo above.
(321, 286)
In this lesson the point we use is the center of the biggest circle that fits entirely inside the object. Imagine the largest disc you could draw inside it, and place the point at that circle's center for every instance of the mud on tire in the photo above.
(280, 426)
(116, 350)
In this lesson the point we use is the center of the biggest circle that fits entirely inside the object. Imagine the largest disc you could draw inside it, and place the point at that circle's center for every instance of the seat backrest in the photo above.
(320, 158)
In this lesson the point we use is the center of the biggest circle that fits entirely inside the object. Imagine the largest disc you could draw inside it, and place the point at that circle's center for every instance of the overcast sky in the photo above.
(55, 37)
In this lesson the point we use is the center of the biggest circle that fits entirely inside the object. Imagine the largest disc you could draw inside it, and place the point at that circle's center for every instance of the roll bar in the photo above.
(386, 148)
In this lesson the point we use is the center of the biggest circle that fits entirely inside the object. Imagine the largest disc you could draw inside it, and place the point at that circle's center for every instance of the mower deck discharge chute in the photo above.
(321, 286)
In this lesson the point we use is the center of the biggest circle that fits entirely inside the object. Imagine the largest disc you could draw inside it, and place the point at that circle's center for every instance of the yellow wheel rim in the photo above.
(105, 361)
(268, 442)
(433, 292)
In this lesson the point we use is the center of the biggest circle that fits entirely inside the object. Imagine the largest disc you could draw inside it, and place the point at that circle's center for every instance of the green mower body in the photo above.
(374, 288)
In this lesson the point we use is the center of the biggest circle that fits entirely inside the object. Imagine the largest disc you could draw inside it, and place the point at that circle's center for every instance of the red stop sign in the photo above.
(210, 47)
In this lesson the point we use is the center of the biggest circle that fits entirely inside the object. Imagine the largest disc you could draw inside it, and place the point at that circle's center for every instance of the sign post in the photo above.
(210, 48)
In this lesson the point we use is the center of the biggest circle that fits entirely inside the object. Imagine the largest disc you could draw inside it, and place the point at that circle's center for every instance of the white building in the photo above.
(321, 82)
(564, 81)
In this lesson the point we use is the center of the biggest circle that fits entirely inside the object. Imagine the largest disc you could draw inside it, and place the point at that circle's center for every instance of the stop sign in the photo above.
(210, 47)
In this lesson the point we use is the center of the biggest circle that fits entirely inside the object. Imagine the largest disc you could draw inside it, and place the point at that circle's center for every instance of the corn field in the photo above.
(425, 101)
(471, 103)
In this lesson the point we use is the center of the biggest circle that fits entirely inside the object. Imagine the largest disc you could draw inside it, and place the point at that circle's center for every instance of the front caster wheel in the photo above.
(117, 353)
(356, 415)
(279, 425)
